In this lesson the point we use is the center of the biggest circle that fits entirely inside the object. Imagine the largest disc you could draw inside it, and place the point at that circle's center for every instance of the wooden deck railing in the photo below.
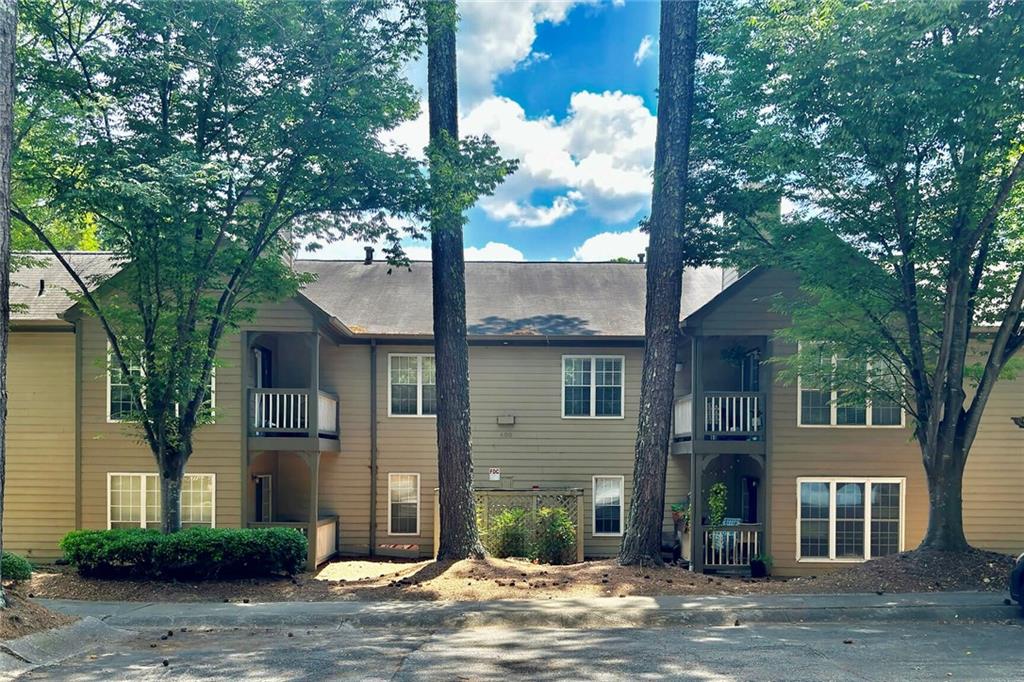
(732, 546)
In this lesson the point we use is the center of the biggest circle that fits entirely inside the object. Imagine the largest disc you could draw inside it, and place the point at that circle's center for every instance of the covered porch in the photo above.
(283, 492)
(729, 512)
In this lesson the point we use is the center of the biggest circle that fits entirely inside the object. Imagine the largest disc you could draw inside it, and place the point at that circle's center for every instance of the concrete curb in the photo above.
(565, 613)
(18, 656)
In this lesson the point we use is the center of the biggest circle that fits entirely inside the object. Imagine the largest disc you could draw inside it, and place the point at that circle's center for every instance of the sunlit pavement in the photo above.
(960, 651)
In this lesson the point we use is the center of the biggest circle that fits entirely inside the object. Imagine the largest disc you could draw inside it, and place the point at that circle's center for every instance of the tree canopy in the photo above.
(894, 132)
(201, 141)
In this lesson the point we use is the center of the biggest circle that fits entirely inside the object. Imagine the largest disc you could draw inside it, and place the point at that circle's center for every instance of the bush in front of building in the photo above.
(555, 537)
(508, 534)
(191, 554)
(14, 567)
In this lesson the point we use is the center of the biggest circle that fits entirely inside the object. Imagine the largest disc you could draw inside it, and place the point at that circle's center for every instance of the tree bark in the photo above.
(641, 543)
(8, 26)
(945, 510)
(172, 472)
(458, 537)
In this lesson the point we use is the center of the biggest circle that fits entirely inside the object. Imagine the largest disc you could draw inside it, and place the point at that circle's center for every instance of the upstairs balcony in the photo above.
(286, 406)
(284, 412)
(722, 408)
(726, 415)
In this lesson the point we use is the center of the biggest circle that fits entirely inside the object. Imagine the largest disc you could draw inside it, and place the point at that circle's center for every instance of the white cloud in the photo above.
(494, 251)
(526, 215)
(497, 37)
(598, 158)
(643, 51)
(607, 246)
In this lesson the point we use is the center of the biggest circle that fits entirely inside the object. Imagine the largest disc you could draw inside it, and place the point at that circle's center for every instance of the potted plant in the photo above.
(681, 512)
(760, 566)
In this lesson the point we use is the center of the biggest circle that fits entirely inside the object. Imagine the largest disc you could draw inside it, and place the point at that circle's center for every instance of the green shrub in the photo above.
(555, 537)
(192, 554)
(508, 534)
(14, 567)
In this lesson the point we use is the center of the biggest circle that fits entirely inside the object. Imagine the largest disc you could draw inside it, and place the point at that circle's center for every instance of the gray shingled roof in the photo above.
(39, 289)
(502, 299)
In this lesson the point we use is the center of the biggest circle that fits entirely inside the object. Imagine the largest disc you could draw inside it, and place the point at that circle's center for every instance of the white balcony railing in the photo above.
(727, 546)
(682, 416)
(280, 410)
(732, 414)
(327, 413)
(286, 411)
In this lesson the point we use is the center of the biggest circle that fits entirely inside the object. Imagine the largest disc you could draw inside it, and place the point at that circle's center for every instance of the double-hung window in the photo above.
(412, 385)
(849, 519)
(869, 401)
(133, 500)
(403, 504)
(592, 386)
(120, 405)
(608, 505)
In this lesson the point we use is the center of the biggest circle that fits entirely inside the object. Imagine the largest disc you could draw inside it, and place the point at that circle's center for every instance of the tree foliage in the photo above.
(895, 132)
(202, 140)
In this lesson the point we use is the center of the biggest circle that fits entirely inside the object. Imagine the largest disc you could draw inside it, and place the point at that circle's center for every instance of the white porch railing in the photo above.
(731, 546)
(733, 414)
(327, 413)
(682, 416)
(280, 410)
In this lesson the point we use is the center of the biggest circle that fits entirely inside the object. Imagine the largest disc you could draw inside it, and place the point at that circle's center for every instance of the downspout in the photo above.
(373, 448)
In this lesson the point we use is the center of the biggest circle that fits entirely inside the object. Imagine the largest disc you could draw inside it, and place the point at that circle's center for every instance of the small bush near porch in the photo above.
(547, 535)
(192, 554)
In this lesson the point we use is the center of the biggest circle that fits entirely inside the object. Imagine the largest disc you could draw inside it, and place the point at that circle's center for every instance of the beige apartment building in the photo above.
(324, 420)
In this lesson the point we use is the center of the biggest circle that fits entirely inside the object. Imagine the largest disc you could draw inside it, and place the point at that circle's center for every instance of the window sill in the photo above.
(612, 417)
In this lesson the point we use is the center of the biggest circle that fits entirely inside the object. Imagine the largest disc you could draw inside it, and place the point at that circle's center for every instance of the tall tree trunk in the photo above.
(945, 474)
(172, 472)
(459, 537)
(642, 541)
(8, 25)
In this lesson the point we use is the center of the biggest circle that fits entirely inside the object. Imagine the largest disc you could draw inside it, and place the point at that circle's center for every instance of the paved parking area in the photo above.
(959, 651)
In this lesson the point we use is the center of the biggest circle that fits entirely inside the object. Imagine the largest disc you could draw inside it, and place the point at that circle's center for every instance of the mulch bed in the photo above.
(23, 616)
(918, 571)
(921, 570)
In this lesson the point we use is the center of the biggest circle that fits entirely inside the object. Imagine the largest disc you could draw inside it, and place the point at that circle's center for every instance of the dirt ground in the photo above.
(519, 579)
(23, 616)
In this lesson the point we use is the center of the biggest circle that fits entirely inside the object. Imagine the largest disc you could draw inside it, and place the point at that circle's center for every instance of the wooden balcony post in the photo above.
(697, 384)
(313, 401)
(313, 460)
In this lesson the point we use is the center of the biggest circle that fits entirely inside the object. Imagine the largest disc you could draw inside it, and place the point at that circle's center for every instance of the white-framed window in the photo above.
(821, 403)
(210, 402)
(119, 396)
(120, 405)
(849, 519)
(403, 504)
(592, 386)
(412, 385)
(133, 500)
(608, 505)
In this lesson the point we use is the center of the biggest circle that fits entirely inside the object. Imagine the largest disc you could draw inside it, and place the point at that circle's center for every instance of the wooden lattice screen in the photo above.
(490, 502)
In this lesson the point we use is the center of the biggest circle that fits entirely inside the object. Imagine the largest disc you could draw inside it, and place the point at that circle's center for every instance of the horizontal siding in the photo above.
(39, 500)
(751, 310)
(993, 504)
(857, 452)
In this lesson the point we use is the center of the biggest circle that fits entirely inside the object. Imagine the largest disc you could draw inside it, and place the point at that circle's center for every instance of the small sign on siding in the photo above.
(494, 473)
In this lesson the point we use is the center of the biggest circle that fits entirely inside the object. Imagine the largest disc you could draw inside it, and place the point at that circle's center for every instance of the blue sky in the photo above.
(566, 88)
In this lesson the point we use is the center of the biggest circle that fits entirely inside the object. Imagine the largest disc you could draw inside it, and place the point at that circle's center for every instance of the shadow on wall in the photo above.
(540, 325)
